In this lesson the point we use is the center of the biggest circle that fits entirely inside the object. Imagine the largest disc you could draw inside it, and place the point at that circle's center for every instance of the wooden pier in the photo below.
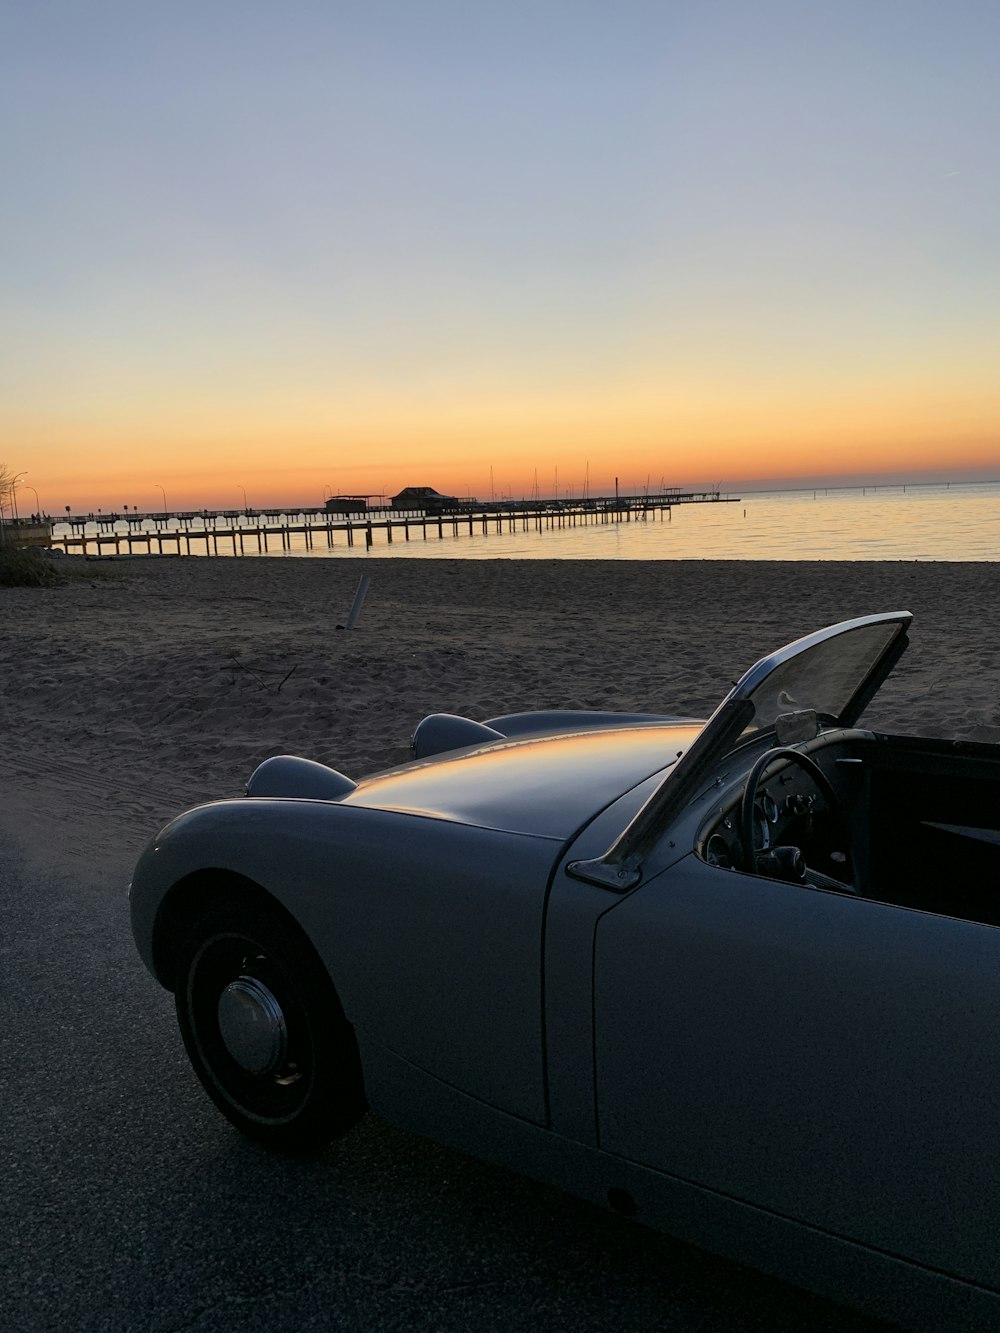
(261, 531)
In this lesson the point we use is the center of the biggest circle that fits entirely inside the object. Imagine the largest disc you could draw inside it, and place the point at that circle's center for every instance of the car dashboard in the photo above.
(792, 810)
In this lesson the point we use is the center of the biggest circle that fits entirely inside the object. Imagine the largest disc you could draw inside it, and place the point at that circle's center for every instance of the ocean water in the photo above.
(916, 522)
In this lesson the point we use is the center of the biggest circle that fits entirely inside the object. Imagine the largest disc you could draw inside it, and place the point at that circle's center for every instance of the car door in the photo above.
(831, 1059)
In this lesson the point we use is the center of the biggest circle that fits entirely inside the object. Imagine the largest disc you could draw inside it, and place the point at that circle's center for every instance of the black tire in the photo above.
(306, 1089)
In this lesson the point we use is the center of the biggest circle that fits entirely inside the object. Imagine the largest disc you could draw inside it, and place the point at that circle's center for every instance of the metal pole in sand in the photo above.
(359, 601)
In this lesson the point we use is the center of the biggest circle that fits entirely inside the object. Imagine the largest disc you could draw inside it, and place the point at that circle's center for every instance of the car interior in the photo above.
(904, 820)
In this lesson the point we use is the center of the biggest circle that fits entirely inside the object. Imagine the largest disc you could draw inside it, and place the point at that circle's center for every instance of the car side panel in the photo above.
(574, 908)
(829, 1058)
(880, 1283)
(431, 930)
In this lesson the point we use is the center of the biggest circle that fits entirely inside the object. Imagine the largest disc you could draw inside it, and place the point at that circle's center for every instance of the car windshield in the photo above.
(829, 676)
(832, 674)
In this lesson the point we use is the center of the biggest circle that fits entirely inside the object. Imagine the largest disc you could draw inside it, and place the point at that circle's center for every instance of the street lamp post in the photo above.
(13, 493)
(164, 494)
(38, 502)
(246, 504)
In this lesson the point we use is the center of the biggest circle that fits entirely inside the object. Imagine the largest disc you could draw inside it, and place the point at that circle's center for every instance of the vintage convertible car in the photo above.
(739, 979)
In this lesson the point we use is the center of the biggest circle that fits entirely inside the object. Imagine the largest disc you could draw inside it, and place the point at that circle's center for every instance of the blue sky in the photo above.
(509, 226)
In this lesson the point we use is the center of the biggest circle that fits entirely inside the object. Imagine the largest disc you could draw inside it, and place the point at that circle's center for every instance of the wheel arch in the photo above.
(314, 1088)
(302, 860)
(202, 888)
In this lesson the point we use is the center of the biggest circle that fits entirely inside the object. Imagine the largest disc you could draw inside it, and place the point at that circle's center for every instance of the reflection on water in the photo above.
(957, 522)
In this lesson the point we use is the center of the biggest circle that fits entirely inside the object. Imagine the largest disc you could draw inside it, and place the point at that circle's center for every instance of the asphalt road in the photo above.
(128, 1203)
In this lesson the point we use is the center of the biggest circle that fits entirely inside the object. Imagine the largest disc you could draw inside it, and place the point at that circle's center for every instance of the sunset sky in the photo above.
(350, 245)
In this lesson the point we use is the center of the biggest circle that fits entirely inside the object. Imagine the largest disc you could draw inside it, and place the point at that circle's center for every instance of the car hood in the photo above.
(548, 786)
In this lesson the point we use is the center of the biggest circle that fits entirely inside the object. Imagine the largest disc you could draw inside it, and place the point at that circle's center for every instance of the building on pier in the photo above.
(346, 504)
(424, 498)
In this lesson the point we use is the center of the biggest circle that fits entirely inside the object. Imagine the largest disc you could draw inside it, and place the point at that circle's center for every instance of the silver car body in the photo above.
(546, 965)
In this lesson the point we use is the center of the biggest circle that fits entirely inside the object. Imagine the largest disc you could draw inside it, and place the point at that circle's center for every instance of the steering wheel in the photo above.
(796, 865)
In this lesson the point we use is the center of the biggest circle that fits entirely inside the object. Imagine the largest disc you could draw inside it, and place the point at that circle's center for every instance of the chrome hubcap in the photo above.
(252, 1026)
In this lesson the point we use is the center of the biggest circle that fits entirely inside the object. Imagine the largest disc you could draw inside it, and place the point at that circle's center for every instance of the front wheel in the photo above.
(264, 1029)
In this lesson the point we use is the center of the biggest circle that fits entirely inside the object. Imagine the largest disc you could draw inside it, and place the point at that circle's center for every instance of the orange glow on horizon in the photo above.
(705, 435)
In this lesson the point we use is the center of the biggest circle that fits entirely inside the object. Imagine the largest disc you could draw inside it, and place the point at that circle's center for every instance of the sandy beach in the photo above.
(146, 685)
(143, 686)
